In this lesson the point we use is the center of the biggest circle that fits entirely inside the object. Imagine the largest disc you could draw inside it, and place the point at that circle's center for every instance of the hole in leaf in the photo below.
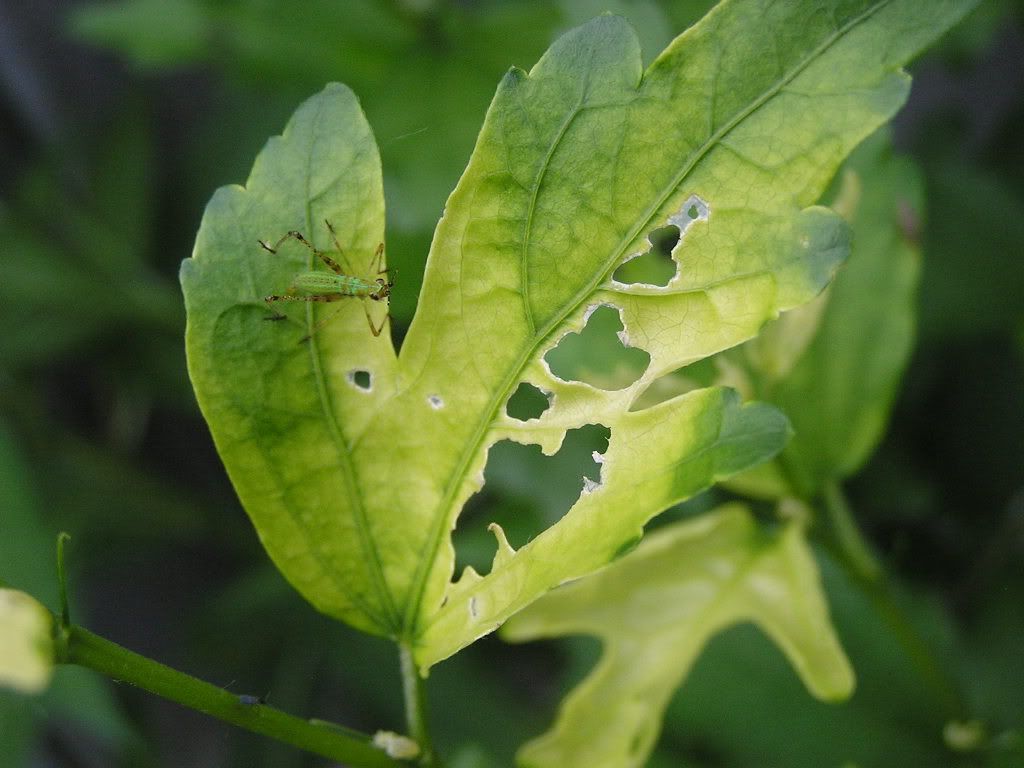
(527, 402)
(702, 373)
(656, 267)
(435, 402)
(597, 355)
(525, 492)
(361, 380)
(694, 209)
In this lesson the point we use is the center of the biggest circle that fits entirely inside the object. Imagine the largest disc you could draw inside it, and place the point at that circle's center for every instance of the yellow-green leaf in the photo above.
(354, 463)
(26, 642)
(654, 611)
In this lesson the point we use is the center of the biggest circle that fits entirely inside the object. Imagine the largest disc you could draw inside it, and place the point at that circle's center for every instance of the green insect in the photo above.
(335, 285)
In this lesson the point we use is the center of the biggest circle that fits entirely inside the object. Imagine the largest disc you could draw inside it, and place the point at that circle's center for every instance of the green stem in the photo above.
(79, 646)
(416, 708)
(856, 552)
(62, 580)
(855, 555)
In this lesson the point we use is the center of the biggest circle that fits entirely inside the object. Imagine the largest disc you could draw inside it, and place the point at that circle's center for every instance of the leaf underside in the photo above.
(354, 463)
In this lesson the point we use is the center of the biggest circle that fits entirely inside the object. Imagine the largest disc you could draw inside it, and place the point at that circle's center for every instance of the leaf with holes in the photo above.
(656, 608)
(355, 463)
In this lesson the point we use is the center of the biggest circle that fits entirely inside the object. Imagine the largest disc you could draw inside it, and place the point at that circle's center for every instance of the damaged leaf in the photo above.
(654, 611)
(355, 464)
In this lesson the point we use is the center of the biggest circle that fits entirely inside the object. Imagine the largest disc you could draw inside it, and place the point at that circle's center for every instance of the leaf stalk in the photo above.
(854, 554)
(415, 708)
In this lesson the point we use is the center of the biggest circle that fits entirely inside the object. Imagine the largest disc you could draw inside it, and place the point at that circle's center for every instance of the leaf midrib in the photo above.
(366, 544)
(558, 318)
(528, 226)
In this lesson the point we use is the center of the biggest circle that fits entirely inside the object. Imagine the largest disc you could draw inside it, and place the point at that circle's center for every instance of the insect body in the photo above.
(335, 285)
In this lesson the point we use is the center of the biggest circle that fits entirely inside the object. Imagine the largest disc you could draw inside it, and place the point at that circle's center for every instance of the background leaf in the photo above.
(69, 696)
(834, 365)
(654, 611)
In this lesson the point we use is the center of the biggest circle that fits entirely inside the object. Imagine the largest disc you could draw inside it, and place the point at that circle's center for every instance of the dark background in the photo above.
(117, 122)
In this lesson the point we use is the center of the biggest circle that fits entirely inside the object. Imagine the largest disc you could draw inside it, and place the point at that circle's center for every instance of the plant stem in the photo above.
(856, 552)
(62, 580)
(416, 709)
(79, 646)
(855, 555)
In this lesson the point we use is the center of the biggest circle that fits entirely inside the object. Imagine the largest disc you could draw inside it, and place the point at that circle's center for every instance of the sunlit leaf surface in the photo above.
(355, 463)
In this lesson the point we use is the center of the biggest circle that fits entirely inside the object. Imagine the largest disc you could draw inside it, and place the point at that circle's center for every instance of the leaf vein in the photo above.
(557, 318)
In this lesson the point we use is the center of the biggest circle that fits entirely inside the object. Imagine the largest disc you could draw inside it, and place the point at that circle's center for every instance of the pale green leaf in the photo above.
(657, 457)
(577, 163)
(26, 642)
(654, 611)
(355, 489)
(288, 415)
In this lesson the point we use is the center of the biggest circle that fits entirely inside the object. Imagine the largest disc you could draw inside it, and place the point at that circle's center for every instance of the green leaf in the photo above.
(26, 642)
(354, 465)
(834, 365)
(656, 609)
(577, 163)
(97, 245)
(289, 416)
(27, 563)
(154, 32)
(26, 546)
(989, 225)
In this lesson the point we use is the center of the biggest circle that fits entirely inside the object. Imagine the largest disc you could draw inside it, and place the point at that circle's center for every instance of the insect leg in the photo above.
(377, 260)
(289, 295)
(341, 252)
(324, 297)
(376, 265)
(291, 235)
(375, 330)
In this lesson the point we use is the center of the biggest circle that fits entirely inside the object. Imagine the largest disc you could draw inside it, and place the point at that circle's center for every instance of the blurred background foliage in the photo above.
(119, 119)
